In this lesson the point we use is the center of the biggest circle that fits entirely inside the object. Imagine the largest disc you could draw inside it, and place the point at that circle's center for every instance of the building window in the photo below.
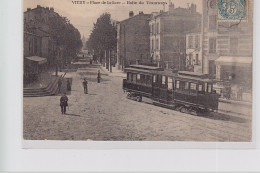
(233, 45)
(212, 45)
(35, 46)
(152, 44)
(212, 22)
(157, 29)
(157, 44)
(190, 42)
(190, 59)
(197, 59)
(197, 41)
(153, 28)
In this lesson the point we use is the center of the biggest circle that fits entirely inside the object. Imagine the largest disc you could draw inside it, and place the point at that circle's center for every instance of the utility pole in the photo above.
(124, 51)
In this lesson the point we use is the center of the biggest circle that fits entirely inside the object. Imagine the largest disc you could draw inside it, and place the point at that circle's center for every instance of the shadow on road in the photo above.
(75, 115)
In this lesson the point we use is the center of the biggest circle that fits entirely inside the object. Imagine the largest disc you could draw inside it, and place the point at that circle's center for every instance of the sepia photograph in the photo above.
(138, 70)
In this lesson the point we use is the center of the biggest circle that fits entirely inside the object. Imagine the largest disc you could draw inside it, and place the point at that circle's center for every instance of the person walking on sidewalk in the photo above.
(63, 103)
(59, 84)
(68, 85)
(85, 85)
(98, 76)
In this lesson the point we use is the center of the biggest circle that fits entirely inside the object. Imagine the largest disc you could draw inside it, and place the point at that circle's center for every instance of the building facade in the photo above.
(194, 52)
(133, 40)
(35, 26)
(168, 35)
(228, 47)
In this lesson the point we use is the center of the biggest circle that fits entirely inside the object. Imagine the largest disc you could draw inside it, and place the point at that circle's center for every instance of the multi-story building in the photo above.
(168, 35)
(133, 40)
(35, 26)
(227, 46)
(194, 52)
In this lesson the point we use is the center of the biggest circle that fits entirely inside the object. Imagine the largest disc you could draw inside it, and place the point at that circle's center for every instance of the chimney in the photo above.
(29, 9)
(140, 12)
(193, 8)
(171, 6)
(131, 13)
(52, 9)
(38, 6)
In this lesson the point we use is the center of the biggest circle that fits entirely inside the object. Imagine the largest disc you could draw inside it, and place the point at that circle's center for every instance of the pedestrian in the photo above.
(63, 103)
(85, 85)
(98, 76)
(59, 84)
(68, 85)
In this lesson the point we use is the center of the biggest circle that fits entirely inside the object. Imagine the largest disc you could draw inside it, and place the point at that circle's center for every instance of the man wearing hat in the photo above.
(85, 85)
(63, 103)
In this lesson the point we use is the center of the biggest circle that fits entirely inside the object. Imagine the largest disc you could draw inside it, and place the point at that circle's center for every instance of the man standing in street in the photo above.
(63, 103)
(59, 84)
(85, 85)
(98, 76)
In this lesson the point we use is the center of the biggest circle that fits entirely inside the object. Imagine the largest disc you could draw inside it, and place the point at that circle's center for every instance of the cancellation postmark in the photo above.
(232, 10)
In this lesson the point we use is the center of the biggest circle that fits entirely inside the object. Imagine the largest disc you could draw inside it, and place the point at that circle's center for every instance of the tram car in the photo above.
(187, 92)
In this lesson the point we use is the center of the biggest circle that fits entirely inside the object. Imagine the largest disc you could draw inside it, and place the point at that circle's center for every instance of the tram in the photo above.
(187, 92)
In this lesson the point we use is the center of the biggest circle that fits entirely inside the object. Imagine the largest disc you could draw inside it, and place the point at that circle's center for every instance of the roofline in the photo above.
(148, 15)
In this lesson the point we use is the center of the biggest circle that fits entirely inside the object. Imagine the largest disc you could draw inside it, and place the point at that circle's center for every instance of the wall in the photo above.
(133, 40)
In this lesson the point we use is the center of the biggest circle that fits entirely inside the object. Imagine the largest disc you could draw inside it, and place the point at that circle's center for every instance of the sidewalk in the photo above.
(236, 102)
(115, 72)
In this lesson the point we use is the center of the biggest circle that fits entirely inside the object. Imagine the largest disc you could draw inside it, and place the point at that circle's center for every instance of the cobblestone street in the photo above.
(106, 114)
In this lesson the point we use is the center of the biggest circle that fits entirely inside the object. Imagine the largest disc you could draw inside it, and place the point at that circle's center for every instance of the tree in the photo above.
(103, 36)
(67, 36)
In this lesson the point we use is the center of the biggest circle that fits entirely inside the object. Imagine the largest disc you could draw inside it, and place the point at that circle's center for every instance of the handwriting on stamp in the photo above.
(232, 9)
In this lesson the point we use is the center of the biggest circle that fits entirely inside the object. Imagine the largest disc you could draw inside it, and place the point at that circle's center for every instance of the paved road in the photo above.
(106, 114)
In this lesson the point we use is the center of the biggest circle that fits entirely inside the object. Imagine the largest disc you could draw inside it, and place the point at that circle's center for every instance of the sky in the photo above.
(83, 16)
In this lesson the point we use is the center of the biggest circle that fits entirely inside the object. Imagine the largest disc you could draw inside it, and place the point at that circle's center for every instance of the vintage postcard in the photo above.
(138, 70)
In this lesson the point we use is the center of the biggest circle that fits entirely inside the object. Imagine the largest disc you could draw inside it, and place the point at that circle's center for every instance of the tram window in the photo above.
(186, 85)
(169, 83)
(209, 88)
(177, 84)
(206, 87)
(154, 79)
(138, 76)
(163, 80)
(148, 80)
(134, 78)
(193, 86)
(130, 77)
(200, 88)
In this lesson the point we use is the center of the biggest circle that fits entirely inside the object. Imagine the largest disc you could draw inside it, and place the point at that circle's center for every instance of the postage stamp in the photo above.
(232, 10)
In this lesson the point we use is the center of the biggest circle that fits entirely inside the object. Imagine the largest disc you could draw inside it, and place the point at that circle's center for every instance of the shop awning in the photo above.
(38, 59)
(234, 61)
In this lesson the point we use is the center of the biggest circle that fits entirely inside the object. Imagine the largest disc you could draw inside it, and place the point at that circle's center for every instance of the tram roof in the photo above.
(193, 74)
(137, 70)
(146, 67)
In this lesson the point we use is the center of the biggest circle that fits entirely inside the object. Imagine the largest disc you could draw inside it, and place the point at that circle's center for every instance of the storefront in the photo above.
(33, 66)
(237, 71)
